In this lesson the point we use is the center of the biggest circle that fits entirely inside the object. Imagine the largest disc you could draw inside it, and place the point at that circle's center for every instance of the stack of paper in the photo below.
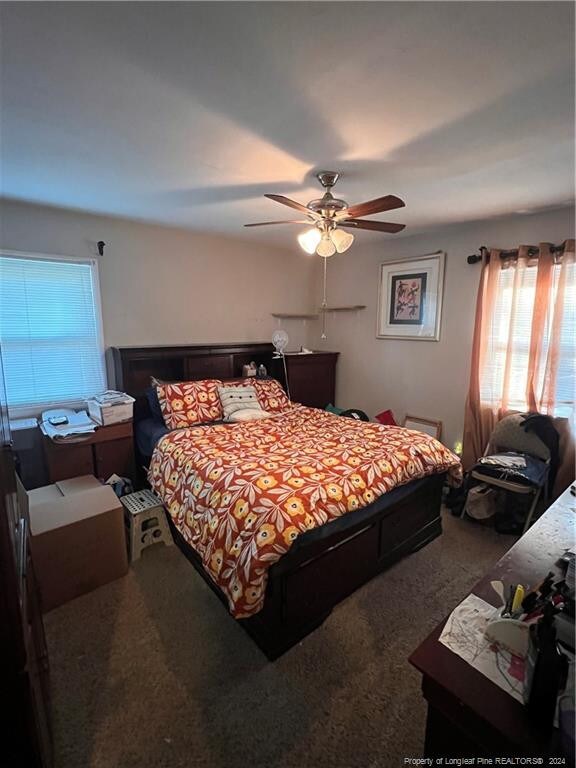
(112, 397)
(79, 424)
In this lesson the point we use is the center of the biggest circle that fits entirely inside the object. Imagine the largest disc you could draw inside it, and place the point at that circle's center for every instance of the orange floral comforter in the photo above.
(241, 493)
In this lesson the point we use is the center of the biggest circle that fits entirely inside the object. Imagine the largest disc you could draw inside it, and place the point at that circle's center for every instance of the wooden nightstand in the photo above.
(110, 449)
(312, 377)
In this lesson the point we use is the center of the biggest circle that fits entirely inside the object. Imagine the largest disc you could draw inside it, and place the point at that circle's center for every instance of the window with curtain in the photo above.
(50, 331)
(504, 375)
(524, 347)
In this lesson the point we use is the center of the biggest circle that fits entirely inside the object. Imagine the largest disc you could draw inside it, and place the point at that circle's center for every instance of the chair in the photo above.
(509, 443)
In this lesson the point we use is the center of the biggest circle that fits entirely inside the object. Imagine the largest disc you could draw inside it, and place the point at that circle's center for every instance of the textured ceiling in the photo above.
(186, 113)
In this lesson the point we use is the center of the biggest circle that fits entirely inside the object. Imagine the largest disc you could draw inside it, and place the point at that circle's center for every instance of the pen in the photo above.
(518, 597)
(508, 607)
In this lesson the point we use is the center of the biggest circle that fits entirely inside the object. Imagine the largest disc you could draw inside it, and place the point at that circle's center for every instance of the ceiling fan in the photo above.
(329, 217)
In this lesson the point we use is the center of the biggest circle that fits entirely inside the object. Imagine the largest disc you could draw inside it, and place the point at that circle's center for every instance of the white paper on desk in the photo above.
(463, 634)
(79, 423)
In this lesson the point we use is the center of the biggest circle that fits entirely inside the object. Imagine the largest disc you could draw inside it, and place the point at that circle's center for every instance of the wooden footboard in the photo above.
(312, 578)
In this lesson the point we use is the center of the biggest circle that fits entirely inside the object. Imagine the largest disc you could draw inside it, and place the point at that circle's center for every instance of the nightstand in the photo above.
(312, 377)
(108, 450)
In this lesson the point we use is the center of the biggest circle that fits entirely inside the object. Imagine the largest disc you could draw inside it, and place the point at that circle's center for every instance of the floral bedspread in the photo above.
(241, 493)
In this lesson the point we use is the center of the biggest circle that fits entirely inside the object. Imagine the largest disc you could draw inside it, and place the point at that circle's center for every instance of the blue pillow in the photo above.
(154, 403)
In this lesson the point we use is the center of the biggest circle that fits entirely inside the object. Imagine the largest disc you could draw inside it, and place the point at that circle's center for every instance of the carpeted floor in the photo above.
(151, 671)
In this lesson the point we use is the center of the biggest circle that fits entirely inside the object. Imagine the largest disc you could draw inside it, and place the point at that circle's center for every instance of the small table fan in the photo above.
(280, 341)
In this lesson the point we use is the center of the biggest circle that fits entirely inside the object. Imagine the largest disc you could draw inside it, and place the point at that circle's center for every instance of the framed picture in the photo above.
(429, 426)
(410, 298)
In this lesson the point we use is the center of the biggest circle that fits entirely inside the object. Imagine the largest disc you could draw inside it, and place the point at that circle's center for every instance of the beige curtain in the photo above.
(479, 421)
(523, 348)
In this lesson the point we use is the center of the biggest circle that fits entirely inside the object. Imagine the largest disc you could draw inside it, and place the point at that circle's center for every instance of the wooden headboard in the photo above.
(130, 368)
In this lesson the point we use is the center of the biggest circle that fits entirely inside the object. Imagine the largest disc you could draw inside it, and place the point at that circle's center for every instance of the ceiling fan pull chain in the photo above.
(324, 302)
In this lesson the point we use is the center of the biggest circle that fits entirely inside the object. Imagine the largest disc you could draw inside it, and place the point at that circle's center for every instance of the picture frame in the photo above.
(431, 427)
(410, 298)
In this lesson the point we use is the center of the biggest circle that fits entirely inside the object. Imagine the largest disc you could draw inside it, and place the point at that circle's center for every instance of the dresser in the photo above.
(25, 736)
(311, 378)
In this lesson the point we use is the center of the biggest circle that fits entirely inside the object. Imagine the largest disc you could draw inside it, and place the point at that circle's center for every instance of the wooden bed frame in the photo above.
(321, 569)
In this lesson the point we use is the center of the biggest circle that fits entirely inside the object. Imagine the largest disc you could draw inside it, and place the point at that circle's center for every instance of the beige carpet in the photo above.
(151, 671)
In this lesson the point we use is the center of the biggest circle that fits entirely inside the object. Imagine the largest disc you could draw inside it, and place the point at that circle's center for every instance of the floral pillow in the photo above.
(190, 402)
(271, 396)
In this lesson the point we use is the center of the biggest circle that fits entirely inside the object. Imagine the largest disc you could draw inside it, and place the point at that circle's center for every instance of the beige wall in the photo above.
(161, 285)
(423, 378)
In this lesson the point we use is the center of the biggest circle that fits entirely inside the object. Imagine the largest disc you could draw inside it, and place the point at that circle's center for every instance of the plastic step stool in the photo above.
(146, 521)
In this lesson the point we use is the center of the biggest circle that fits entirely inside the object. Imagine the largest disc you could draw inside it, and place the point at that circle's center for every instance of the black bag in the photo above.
(354, 413)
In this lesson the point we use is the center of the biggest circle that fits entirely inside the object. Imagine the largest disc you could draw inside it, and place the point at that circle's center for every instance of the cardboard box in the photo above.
(78, 541)
(111, 413)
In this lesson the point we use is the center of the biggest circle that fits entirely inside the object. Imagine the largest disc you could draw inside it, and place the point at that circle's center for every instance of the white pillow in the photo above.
(235, 399)
(249, 414)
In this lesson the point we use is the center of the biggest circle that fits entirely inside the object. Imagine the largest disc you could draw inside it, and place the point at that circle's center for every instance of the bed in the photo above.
(341, 533)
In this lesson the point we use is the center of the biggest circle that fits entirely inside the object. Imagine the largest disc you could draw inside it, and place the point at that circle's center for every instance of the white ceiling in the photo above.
(186, 113)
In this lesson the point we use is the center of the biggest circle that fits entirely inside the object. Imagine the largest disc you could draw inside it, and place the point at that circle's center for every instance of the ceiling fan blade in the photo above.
(285, 221)
(378, 226)
(293, 204)
(379, 205)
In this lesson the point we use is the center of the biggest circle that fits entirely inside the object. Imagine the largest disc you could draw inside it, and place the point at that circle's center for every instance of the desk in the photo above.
(468, 715)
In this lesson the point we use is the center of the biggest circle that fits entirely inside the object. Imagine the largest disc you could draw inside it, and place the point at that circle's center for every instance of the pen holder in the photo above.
(510, 634)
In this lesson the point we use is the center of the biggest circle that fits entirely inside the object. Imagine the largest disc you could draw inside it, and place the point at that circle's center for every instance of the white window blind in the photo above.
(50, 330)
(510, 342)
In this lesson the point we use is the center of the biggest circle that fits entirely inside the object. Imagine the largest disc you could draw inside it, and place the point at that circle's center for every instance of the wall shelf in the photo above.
(293, 316)
(313, 316)
(352, 308)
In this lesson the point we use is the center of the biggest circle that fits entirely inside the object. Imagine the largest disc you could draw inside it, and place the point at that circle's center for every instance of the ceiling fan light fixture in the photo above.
(327, 214)
(309, 240)
(342, 240)
(326, 247)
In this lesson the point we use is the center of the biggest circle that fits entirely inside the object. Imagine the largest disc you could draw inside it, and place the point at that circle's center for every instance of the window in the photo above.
(505, 368)
(50, 330)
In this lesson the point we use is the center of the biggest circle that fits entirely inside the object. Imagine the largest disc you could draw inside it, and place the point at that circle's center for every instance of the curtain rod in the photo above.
(533, 250)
